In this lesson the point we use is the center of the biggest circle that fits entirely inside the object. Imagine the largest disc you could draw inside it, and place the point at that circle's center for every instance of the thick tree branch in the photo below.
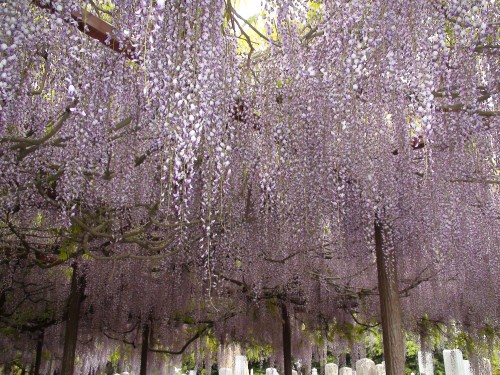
(197, 335)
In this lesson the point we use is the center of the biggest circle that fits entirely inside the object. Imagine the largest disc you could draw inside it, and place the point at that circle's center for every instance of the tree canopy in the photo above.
(172, 171)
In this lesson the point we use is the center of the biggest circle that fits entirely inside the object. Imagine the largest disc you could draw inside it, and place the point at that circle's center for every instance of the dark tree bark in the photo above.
(73, 317)
(38, 355)
(287, 340)
(324, 355)
(353, 353)
(342, 360)
(208, 362)
(390, 307)
(145, 349)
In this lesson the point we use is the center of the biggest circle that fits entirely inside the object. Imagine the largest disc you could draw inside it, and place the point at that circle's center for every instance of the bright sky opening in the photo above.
(248, 8)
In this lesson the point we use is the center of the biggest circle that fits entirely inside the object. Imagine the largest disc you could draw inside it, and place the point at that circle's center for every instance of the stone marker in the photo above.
(331, 369)
(271, 371)
(345, 371)
(467, 368)
(380, 369)
(453, 362)
(240, 365)
(484, 367)
(293, 372)
(365, 366)
(125, 373)
(192, 372)
(226, 354)
(225, 371)
(425, 363)
(314, 372)
(251, 371)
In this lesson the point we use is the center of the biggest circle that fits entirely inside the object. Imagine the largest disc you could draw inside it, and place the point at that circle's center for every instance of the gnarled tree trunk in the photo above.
(73, 317)
(38, 355)
(390, 307)
(145, 349)
(287, 340)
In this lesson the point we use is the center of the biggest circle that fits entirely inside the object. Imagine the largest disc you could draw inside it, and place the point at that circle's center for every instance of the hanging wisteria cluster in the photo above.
(195, 177)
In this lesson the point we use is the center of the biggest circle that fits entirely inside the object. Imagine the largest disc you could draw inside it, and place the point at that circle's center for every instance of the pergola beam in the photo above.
(95, 28)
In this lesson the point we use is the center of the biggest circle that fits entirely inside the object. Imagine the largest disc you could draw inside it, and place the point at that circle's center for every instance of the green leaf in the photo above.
(67, 249)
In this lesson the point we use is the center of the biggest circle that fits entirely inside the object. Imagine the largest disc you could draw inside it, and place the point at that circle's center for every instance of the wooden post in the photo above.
(390, 307)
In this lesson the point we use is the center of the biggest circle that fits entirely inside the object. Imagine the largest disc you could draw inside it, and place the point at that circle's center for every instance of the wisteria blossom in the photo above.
(174, 173)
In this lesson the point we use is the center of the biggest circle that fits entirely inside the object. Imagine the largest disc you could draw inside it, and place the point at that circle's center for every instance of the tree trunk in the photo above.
(353, 353)
(73, 317)
(390, 308)
(145, 350)
(324, 356)
(342, 360)
(208, 361)
(38, 356)
(51, 365)
(287, 340)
